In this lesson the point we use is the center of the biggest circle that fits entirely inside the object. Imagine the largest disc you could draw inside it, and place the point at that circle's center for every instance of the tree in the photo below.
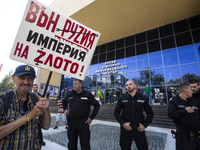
(7, 83)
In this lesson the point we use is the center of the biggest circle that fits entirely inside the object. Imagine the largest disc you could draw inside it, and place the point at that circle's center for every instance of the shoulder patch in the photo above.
(124, 101)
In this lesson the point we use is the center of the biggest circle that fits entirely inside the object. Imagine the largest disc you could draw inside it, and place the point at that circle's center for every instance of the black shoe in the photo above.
(56, 127)
(43, 143)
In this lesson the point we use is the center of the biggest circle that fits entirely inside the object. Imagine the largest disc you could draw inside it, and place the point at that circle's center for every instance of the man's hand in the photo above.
(43, 104)
(190, 109)
(36, 111)
(66, 112)
(141, 128)
(89, 121)
(127, 126)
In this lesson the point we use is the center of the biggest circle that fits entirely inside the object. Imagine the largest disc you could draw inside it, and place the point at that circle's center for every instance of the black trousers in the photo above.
(183, 142)
(139, 138)
(82, 130)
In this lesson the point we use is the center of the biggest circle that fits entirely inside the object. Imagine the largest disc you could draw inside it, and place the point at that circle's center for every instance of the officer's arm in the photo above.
(117, 111)
(174, 113)
(96, 105)
(149, 113)
(65, 103)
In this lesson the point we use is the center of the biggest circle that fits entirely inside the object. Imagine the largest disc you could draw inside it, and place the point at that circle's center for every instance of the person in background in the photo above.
(22, 113)
(60, 114)
(147, 93)
(110, 96)
(129, 113)
(196, 93)
(35, 91)
(118, 92)
(98, 99)
(79, 117)
(184, 112)
(137, 89)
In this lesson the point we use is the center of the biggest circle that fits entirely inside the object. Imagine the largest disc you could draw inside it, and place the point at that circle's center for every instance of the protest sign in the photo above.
(50, 40)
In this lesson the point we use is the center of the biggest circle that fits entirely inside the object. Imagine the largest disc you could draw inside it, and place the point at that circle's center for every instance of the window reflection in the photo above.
(157, 77)
(142, 62)
(172, 75)
(190, 72)
(187, 55)
(155, 60)
(93, 69)
(131, 63)
(159, 95)
(170, 57)
(131, 76)
(143, 77)
(197, 48)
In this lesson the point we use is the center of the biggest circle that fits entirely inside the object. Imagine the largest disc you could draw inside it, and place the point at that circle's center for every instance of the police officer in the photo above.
(132, 121)
(184, 113)
(79, 117)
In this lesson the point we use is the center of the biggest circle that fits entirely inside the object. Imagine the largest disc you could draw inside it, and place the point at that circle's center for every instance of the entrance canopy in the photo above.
(116, 19)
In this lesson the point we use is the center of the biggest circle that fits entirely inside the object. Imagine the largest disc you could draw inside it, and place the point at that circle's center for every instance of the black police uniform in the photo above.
(196, 97)
(132, 111)
(187, 124)
(79, 111)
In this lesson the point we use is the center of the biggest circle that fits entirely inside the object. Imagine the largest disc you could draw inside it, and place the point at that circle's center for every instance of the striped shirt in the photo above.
(26, 137)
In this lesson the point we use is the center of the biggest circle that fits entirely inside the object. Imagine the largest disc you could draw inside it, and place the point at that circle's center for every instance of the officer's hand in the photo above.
(141, 128)
(43, 104)
(190, 109)
(66, 112)
(127, 126)
(89, 121)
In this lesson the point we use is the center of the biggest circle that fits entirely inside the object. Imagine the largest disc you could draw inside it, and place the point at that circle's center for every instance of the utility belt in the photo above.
(77, 120)
(179, 132)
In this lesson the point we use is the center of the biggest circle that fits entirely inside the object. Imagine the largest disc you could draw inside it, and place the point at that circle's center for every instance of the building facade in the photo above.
(162, 57)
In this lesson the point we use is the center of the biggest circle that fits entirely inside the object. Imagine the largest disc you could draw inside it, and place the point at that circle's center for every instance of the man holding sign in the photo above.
(22, 113)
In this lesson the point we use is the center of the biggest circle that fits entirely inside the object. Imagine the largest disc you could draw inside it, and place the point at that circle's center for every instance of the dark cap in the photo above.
(24, 69)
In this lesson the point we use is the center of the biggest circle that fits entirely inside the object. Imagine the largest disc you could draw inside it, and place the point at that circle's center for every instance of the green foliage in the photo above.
(7, 84)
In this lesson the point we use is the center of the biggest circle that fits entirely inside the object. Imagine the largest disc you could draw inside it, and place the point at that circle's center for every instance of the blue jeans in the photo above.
(149, 97)
(110, 98)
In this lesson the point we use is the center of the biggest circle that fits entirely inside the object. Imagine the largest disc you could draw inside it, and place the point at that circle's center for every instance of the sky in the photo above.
(11, 13)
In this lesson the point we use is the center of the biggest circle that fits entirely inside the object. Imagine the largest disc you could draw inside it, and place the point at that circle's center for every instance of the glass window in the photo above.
(102, 57)
(141, 37)
(131, 76)
(152, 34)
(153, 46)
(159, 94)
(166, 30)
(187, 54)
(157, 77)
(120, 53)
(111, 56)
(96, 50)
(141, 49)
(197, 49)
(168, 42)
(142, 62)
(190, 72)
(102, 48)
(88, 72)
(93, 69)
(155, 60)
(183, 39)
(120, 43)
(130, 40)
(131, 64)
(130, 51)
(143, 77)
(172, 75)
(111, 46)
(195, 35)
(181, 26)
(172, 91)
(94, 60)
(170, 57)
(195, 22)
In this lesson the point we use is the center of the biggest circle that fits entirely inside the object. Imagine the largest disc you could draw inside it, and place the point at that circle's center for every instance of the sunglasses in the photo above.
(29, 78)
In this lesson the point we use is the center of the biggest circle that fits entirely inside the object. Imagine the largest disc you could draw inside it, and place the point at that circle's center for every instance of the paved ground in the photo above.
(105, 137)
